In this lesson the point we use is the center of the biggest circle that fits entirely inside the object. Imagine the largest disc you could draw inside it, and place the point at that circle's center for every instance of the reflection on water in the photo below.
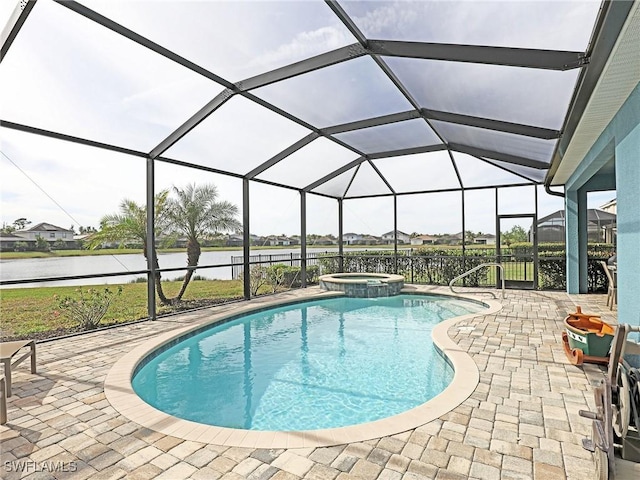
(20, 269)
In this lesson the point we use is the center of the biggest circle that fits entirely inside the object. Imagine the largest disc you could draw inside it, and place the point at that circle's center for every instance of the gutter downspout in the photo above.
(547, 188)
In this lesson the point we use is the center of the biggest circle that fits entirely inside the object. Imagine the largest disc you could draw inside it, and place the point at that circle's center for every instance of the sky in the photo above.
(65, 74)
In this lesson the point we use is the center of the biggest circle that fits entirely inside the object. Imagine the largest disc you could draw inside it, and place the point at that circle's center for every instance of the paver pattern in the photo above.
(521, 422)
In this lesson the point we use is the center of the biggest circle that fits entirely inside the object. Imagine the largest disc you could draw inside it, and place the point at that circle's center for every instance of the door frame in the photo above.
(534, 234)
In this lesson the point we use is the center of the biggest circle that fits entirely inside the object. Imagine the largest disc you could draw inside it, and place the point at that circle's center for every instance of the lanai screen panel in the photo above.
(475, 172)
(337, 186)
(431, 213)
(419, 173)
(234, 39)
(367, 182)
(237, 137)
(392, 136)
(346, 92)
(526, 96)
(551, 25)
(311, 162)
(480, 211)
(69, 75)
(533, 174)
(300, 57)
(500, 142)
(517, 200)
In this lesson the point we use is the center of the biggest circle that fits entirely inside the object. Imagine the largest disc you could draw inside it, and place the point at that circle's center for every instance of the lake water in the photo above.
(20, 269)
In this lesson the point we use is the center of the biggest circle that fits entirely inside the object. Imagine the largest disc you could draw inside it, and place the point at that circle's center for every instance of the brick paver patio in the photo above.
(520, 422)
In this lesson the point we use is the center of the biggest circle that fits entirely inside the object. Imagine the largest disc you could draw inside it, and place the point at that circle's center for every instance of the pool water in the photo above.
(319, 364)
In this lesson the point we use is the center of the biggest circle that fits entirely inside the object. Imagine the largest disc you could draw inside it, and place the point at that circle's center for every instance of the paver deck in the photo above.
(520, 422)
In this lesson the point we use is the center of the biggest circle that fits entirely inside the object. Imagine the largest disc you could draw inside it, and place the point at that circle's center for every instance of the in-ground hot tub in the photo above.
(363, 285)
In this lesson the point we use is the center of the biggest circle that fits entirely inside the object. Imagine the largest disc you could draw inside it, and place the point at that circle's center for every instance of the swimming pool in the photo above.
(307, 366)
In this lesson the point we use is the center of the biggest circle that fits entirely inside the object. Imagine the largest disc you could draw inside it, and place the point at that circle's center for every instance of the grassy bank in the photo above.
(127, 251)
(34, 312)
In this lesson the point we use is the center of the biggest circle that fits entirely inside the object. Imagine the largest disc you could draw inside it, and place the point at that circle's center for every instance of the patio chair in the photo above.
(8, 350)
(3, 401)
(612, 291)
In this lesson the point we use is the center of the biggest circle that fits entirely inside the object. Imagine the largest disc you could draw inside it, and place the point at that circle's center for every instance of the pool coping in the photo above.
(121, 396)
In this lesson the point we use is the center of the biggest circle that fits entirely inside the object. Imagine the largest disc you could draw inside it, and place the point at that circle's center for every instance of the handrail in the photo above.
(478, 267)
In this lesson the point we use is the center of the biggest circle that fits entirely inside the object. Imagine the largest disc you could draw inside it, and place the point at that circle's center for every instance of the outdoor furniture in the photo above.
(8, 350)
(612, 292)
(3, 401)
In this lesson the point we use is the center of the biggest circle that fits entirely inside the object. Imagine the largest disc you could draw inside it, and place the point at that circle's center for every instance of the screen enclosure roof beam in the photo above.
(503, 157)
(514, 57)
(335, 173)
(489, 124)
(304, 66)
(191, 123)
(347, 21)
(13, 26)
(282, 155)
(371, 122)
(70, 138)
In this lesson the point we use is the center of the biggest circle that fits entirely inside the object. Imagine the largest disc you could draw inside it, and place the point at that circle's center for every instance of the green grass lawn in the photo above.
(26, 312)
(512, 271)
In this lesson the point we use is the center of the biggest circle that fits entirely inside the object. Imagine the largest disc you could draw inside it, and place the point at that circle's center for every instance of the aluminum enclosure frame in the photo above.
(607, 26)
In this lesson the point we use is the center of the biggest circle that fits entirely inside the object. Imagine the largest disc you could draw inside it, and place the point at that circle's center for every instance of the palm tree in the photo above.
(130, 224)
(197, 214)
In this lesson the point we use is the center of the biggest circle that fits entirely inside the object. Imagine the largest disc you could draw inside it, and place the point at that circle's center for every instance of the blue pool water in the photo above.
(319, 364)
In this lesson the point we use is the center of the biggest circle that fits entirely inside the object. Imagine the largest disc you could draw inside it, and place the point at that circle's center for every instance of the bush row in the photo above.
(440, 266)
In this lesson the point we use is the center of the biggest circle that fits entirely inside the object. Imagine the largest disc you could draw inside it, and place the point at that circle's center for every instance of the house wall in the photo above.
(50, 236)
(620, 140)
(628, 243)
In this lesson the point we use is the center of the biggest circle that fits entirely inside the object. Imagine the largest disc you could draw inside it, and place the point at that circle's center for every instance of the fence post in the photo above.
(411, 264)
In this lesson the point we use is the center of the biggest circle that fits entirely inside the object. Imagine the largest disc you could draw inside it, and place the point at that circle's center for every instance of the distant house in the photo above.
(402, 237)
(370, 240)
(49, 232)
(294, 240)
(275, 241)
(351, 238)
(486, 239)
(454, 239)
(324, 241)
(8, 242)
(423, 240)
(234, 240)
(610, 207)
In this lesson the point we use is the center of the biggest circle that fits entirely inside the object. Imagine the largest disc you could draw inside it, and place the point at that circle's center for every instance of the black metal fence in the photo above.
(439, 268)
(289, 259)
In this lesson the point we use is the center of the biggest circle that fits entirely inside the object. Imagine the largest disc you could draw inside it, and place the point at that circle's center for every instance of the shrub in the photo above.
(20, 247)
(89, 308)
(276, 276)
(42, 245)
(257, 278)
(279, 275)
(59, 244)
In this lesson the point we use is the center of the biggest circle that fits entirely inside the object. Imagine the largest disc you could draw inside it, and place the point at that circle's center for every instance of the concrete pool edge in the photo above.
(120, 394)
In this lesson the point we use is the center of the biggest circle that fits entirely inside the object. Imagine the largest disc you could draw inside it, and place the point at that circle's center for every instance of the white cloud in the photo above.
(304, 45)
(554, 25)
